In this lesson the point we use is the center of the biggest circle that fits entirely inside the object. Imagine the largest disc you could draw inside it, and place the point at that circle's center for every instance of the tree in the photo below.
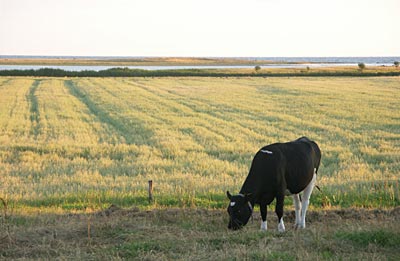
(257, 68)
(361, 66)
(396, 63)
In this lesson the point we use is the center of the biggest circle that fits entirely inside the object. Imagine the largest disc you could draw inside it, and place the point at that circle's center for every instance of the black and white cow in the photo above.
(277, 170)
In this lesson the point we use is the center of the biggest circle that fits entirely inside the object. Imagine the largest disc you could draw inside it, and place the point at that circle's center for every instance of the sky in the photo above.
(195, 28)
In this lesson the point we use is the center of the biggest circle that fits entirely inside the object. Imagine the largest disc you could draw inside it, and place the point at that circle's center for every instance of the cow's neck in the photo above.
(250, 187)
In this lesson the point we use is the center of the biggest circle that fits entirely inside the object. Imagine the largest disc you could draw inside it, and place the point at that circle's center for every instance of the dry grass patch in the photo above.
(200, 234)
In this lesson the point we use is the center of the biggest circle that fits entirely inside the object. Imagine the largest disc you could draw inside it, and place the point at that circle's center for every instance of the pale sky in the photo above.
(236, 28)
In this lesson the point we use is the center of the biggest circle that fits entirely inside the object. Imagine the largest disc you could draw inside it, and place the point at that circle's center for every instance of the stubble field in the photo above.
(71, 147)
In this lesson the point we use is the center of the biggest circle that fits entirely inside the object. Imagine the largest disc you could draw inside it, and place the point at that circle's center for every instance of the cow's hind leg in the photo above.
(306, 199)
(279, 212)
(297, 209)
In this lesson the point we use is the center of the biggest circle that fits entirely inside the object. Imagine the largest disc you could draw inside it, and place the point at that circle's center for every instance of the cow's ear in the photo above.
(229, 195)
(248, 196)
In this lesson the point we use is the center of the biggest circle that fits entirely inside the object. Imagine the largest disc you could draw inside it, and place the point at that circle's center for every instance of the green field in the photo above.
(80, 144)
(67, 141)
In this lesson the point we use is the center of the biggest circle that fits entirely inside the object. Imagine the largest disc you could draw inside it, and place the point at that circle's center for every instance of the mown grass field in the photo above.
(77, 145)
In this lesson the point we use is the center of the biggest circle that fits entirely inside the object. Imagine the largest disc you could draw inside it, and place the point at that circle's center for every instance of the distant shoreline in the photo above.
(266, 72)
(196, 66)
(120, 61)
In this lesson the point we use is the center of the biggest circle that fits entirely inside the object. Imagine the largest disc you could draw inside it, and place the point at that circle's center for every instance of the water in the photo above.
(270, 62)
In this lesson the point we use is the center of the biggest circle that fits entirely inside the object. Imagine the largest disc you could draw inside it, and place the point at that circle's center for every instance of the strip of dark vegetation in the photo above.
(126, 72)
(34, 108)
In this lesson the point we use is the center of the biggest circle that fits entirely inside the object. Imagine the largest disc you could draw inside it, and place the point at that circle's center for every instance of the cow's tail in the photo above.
(314, 186)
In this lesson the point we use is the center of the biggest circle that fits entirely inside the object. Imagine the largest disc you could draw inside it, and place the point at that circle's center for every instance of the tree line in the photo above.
(126, 72)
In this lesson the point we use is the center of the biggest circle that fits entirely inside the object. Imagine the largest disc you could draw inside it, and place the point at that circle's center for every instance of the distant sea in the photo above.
(270, 62)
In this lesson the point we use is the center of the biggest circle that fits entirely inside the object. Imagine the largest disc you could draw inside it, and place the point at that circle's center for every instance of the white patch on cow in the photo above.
(297, 209)
(233, 203)
(306, 199)
(281, 226)
(263, 225)
(266, 151)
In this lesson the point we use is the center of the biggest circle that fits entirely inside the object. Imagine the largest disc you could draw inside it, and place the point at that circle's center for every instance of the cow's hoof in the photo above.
(263, 226)
(281, 228)
(299, 226)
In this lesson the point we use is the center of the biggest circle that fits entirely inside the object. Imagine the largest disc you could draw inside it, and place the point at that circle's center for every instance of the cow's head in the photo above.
(239, 210)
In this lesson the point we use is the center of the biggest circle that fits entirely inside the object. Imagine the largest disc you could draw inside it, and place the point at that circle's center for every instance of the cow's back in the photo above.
(302, 160)
(280, 166)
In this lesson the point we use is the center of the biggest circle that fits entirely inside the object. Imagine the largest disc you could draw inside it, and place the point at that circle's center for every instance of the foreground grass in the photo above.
(200, 234)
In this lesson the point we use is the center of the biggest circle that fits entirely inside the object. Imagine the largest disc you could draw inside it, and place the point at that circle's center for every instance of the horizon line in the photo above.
(178, 56)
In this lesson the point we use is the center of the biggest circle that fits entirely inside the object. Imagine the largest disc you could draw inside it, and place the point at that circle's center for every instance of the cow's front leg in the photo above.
(279, 212)
(297, 209)
(263, 211)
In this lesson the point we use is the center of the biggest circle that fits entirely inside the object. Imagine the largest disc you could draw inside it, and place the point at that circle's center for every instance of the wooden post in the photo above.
(150, 191)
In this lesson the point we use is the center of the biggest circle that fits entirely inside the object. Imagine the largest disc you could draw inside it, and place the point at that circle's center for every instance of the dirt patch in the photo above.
(340, 214)
(396, 213)
(312, 216)
(353, 214)
(116, 210)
